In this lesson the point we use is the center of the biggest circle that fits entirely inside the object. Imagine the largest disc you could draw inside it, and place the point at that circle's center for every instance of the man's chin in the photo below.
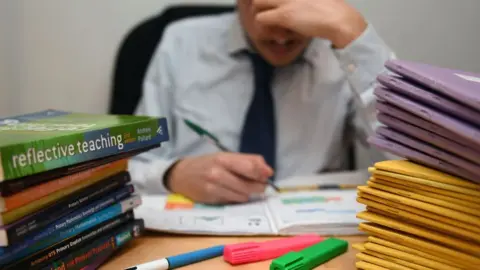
(282, 60)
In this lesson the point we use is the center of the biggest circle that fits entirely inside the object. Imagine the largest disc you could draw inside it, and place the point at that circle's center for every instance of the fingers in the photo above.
(267, 4)
(251, 167)
(280, 17)
(222, 177)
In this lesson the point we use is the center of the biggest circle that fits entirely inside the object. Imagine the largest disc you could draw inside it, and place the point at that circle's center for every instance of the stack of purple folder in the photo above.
(431, 116)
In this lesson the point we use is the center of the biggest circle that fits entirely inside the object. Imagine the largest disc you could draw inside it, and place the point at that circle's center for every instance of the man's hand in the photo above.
(220, 178)
(334, 20)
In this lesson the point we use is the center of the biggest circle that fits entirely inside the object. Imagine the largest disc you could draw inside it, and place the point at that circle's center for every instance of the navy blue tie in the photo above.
(258, 134)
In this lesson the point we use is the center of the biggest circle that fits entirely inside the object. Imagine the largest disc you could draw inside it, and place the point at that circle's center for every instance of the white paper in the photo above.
(327, 210)
(250, 218)
(269, 216)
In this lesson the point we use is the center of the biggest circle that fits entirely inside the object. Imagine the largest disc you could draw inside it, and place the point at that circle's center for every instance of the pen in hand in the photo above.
(204, 133)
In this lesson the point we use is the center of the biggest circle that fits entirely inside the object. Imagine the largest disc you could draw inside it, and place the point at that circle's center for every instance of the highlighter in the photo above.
(312, 256)
(250, 252)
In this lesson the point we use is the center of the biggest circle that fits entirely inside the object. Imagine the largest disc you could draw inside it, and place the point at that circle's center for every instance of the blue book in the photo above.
(67, 230)
(54, 225)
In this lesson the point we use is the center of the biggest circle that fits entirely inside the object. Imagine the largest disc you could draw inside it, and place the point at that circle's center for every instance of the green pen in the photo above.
(206, 134)
(312, 256)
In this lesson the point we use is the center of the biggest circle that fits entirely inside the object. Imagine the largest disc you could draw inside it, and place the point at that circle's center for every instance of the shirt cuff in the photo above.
(148, 176)
(364, 58)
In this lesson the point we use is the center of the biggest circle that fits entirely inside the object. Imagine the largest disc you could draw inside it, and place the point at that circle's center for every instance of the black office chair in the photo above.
(137, 48)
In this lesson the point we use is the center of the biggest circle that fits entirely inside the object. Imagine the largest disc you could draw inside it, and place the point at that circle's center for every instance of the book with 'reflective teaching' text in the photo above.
(51, 139)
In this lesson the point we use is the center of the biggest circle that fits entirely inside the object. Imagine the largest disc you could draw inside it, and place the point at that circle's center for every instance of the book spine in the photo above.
(65, 247)
(15, 214)
(43, 155)
(88, 210)
(23, 250)
(45, 189)
(80, 198)
(101, 249)
(9, 188)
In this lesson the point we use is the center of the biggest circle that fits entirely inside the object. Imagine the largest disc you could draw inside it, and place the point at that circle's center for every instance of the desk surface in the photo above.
(154, 246)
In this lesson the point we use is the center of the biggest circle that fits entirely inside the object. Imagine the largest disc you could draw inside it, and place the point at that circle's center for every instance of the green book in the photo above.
(51, 139)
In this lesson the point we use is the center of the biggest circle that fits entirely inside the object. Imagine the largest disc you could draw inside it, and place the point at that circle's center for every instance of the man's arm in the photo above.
(361, 52)
(148, 169)
(363, 60)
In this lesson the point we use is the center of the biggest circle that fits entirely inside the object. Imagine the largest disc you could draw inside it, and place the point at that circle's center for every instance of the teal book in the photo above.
(34, 143)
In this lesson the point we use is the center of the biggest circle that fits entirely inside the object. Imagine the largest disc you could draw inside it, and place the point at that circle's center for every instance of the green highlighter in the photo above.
(312, 256)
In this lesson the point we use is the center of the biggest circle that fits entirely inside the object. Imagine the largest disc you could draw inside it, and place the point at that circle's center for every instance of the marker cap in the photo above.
(259, 251)
(310, 257)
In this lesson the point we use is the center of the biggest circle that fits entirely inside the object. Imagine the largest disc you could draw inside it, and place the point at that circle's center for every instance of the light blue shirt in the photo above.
(196, 73)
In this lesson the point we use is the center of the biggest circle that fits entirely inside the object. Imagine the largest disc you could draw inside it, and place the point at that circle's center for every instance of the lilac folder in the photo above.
(421, 158)
(461, 128)
(392, 110)
(428, 149)
(430, 137)
(416, 92)
(458, 85)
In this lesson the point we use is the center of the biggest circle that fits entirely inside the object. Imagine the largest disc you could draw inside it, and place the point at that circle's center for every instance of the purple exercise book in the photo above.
(461, 128)
(430, 137)
(421, 158)
(430, 150)
(461, 86)
(392, 110)
(422, 94)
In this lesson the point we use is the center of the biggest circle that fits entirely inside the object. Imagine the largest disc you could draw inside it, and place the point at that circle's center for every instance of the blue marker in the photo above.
(181, 260)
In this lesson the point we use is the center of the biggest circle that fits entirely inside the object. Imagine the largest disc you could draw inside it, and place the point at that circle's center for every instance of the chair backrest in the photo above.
(136, 50)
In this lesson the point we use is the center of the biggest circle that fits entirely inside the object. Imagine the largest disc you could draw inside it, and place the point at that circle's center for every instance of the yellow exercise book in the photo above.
(368, 266)
(382, 209)
(453, 197)
(376, 240)
(458, 244)
(408, 168)
(396, 259)
(461, 216)
(413, 242)
(371, 200)
(470, 208)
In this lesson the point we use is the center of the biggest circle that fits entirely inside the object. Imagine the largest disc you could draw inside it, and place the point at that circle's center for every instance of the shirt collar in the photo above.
(237, 42)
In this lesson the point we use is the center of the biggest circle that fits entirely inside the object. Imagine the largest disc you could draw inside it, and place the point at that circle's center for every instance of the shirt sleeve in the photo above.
(148, 169)
(363, 60)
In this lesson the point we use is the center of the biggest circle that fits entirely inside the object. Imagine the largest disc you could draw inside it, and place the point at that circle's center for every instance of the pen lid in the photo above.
(257, 251)
(310, 257)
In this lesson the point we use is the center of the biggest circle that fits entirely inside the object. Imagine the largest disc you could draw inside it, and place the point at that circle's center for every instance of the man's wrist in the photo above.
(167, 177)
(346, 33)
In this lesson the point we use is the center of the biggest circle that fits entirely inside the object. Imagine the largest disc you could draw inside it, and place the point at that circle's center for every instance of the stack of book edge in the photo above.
(423, 211)
(66, 197)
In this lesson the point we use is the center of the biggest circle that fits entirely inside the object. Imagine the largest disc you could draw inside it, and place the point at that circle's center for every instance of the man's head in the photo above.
(278, 46)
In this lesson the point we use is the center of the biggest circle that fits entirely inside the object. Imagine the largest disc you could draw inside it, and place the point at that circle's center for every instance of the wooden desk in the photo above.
(155, 246)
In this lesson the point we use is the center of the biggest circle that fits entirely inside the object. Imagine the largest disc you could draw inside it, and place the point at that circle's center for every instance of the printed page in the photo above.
(174, 213)
(325, 212)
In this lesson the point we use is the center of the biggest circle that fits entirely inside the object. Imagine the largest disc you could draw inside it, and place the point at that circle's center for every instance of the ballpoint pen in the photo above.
(212, 138)
(181, 260)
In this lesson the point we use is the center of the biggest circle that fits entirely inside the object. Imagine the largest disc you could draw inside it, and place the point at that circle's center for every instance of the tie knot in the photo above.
(261, 67)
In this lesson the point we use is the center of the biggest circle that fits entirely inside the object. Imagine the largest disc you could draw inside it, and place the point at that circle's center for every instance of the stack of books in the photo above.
(66, 198)
(423, 212)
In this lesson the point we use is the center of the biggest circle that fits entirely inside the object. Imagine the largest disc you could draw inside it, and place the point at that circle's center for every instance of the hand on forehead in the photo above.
(266, 4)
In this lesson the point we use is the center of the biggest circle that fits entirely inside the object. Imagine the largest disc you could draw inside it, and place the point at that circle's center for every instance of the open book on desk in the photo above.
(325, 212)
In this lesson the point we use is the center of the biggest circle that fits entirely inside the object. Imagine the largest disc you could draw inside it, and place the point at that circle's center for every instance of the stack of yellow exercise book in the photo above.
(418, 218)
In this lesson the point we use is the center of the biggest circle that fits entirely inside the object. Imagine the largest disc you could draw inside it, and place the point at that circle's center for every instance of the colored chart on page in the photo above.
(335, 206)
(177, 201)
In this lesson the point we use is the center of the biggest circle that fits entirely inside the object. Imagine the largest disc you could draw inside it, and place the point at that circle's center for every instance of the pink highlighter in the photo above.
(250, 252)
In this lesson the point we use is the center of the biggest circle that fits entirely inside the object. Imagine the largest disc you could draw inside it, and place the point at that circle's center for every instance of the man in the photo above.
(287, 115)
